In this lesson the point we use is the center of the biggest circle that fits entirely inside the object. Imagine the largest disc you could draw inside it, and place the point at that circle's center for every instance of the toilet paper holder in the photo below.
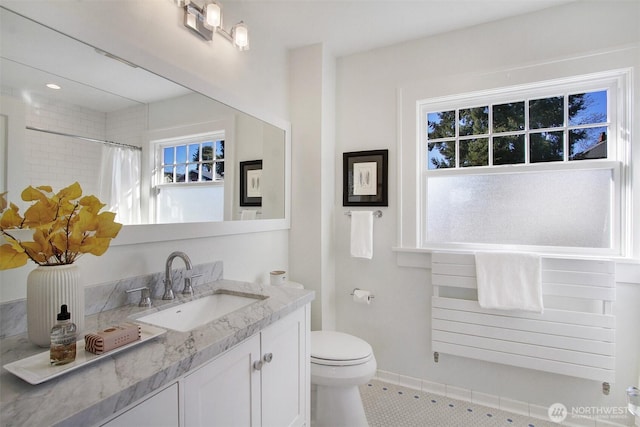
(370, 297)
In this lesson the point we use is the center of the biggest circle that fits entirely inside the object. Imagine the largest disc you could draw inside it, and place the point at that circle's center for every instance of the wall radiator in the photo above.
(574, 336)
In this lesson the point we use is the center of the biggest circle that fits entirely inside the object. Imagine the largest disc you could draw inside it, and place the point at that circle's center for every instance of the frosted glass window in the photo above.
(188, 169)
(198, 203)
(536, 208)
(538, 165)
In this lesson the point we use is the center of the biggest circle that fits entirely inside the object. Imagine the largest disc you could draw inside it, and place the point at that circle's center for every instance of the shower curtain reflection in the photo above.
(120, 182)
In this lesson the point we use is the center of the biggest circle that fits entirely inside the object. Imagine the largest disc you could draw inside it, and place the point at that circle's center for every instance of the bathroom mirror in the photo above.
(189, 146)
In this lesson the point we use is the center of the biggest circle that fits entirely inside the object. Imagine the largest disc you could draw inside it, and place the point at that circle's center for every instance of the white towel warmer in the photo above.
(574, 336)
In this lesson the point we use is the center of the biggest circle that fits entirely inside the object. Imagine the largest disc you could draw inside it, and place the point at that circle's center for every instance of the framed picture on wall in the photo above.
(364, 179)
(251, 183)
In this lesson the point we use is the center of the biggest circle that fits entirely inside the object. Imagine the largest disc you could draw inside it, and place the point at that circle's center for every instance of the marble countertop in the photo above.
(90, 394)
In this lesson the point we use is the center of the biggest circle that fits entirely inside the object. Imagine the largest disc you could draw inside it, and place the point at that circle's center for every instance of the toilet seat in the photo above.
(332, 348)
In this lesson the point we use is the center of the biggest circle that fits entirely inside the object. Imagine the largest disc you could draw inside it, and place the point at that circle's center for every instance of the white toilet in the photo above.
(339, 364)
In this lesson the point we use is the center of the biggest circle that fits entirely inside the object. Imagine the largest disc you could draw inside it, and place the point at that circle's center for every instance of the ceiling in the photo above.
(350, 26)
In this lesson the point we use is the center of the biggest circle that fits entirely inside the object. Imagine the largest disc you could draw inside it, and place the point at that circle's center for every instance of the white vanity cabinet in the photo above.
(225, 391)
(158, 410)
(263, 381)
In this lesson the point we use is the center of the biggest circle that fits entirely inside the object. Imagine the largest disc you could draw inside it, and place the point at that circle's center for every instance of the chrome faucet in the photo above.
(168, 283)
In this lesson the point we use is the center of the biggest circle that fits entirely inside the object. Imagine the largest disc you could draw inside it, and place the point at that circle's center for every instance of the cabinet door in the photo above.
(226, 391)
(159, 410)
(284, 384)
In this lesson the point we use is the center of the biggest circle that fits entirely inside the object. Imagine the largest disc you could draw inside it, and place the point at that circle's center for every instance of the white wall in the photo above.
(306, 210)
(375, 109)
(151, 34)
(312, 89)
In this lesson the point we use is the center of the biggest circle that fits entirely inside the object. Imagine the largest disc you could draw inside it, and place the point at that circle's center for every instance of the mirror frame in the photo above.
(149, 233)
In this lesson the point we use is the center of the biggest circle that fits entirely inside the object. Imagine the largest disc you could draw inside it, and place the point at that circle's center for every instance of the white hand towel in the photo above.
(362, 234)
(247, 214)
(509, 281)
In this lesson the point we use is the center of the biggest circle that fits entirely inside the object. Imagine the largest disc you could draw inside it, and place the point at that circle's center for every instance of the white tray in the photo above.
(37, 369)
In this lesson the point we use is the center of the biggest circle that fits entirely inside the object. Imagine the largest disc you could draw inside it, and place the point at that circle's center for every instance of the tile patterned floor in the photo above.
(388, 405)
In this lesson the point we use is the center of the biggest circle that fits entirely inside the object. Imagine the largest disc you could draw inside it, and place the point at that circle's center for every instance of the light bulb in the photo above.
(241, 36)
(214, 15)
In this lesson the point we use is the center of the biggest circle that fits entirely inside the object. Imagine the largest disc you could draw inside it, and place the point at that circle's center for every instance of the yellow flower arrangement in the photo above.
(66, 225)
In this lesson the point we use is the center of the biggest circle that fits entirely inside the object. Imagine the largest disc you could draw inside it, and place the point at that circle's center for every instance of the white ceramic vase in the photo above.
(48, 288)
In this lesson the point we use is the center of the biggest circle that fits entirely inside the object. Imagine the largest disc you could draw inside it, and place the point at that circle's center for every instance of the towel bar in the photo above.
(377, 214)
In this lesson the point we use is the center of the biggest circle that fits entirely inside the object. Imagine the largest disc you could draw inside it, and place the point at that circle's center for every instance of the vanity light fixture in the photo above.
(206, 20)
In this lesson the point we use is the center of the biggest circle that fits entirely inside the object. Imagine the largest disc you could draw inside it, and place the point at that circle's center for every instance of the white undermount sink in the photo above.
(187, 316)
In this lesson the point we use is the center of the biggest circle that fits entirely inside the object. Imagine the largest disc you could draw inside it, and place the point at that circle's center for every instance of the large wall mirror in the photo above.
(155, 151)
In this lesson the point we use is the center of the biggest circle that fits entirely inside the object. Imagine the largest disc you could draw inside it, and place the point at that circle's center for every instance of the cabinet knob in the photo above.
(257, 365)
(268, 357)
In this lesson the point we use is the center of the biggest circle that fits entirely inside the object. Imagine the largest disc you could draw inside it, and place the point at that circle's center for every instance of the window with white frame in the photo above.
(190, 178)
(193, 159)
(540, 166)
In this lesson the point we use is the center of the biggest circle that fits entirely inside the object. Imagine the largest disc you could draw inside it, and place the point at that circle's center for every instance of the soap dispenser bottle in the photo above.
(63, 339)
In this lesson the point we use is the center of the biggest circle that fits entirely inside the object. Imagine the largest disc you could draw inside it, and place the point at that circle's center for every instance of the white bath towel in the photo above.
(509, 281)
(247, 214)
(362, 234)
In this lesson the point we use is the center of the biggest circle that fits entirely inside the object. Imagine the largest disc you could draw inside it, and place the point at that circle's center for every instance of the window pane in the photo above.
(180, 173)
(441, 125)
(168, 174)
(546, 113)
(194, 152)
(207, 151)
(508, 150)
(219, 170)
(207, 171)
(546, 147)
(474, 152)
(508, 117)
(474, 121)
(168, 157)
(181, 154)
(506, 208)
(588, 143)
(442, 155)
(219, 149)
(193, 172)
(588, 108)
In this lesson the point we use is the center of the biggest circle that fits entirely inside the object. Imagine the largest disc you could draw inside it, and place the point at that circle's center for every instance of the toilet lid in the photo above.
(337, 348)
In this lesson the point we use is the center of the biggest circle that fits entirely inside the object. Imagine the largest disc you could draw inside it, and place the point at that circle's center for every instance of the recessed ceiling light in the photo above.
(53, 86)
